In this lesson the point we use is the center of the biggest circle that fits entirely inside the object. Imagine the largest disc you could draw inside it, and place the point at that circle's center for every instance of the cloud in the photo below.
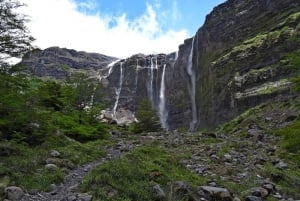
(60, 23)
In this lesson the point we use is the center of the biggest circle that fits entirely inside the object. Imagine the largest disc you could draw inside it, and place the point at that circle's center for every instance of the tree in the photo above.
(15, 39)
(148, 120)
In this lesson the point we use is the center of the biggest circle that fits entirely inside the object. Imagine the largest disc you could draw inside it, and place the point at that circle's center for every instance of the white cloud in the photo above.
(59, 23)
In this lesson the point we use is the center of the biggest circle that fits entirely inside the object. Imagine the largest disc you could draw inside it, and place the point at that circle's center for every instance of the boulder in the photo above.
(54, 153)
(14, 193)
(51, 167)
(215, 193)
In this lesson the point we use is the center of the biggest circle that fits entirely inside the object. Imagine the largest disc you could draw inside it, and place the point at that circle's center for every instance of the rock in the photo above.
(270, 187)
(51, 167)
(72, 198)
(215, 193)
(54, 153)
(277, 195)
(236, 199)
(180, 187)
(227, 157)
(84, 197)
(259, 192)
(159, 192)
(281, 165)
(146, 140)
(253, 198)
(14, 193)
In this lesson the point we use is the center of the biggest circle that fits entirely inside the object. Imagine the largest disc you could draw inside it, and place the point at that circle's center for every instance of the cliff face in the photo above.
(244, 56)
(61, 62)
(245, 53)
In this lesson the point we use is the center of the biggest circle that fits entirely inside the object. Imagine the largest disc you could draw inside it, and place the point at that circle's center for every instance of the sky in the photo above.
(118, 28)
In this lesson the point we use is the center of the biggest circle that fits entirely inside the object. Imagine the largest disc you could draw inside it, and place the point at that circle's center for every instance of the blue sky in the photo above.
(172, 14)
(116, 27)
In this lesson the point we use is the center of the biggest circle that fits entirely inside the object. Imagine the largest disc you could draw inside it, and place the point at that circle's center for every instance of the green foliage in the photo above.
(30, 110)
(291, 141)
(147, 117)
(15, 40)
(134, 175)
(296, 83)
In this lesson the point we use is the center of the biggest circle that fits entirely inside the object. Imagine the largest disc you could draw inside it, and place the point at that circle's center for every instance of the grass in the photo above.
(134, 175)
(291, 141)
(24, 165)
(288, 182)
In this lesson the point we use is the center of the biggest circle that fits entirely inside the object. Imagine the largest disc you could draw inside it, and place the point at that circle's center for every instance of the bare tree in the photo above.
(15, 39)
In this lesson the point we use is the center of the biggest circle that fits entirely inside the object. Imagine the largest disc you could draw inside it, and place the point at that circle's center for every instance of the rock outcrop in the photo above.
(242, 56)
(61, 62)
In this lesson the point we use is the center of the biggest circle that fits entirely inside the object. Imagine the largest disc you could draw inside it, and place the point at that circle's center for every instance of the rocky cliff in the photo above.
(61, 62)
(245, 54)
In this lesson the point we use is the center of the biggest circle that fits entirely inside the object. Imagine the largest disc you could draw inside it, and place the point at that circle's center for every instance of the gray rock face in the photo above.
(61, 62)
(14, 193)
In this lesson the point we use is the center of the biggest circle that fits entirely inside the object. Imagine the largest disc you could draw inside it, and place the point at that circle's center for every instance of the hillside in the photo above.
(217, 120)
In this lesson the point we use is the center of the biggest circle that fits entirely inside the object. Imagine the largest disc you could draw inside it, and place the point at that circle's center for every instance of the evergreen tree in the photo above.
(148, 120)
(15, 40)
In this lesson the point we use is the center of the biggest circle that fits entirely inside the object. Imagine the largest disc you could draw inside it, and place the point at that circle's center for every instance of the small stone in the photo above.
(227, 157)
(212, 183)
(51, 167)
(236, 199)
(33, 191)
(282, 165)
(84, 197)
(159, 192)
(14, 193)
(253, 198)
(54, 153)
(72, 198)
(259, 192)
(277, 196)
(214, 193)
(270, 187)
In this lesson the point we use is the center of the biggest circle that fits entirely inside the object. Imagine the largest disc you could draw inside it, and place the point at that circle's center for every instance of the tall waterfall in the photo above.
(162, 102)
(192, 89)
(151, 81)
(118, 90)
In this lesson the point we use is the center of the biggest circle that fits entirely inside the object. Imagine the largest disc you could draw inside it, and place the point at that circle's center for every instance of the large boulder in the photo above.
(14, 193)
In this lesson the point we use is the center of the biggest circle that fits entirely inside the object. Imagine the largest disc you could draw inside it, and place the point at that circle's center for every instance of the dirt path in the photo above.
(69, 190)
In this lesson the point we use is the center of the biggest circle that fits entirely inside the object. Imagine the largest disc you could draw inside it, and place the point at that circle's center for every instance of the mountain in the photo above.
(245, 54)
(61, 62)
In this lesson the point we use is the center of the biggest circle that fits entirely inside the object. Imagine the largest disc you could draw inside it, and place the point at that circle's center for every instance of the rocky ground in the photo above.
(241, 161)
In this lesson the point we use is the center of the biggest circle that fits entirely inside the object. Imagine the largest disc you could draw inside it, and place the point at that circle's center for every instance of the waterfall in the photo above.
(118, 90)
(109, 70)
(151, 82)
(162, 101)
(192, 89)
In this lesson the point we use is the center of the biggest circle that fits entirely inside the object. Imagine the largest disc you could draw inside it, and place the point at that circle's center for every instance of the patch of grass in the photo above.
(25, 165)
(288, 181)
(291, 141)
(210, 140)
(134, 175)
(40, 180)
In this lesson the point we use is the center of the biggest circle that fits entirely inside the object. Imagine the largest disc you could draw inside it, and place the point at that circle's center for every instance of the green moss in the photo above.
(291, 141)
(134, 175)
